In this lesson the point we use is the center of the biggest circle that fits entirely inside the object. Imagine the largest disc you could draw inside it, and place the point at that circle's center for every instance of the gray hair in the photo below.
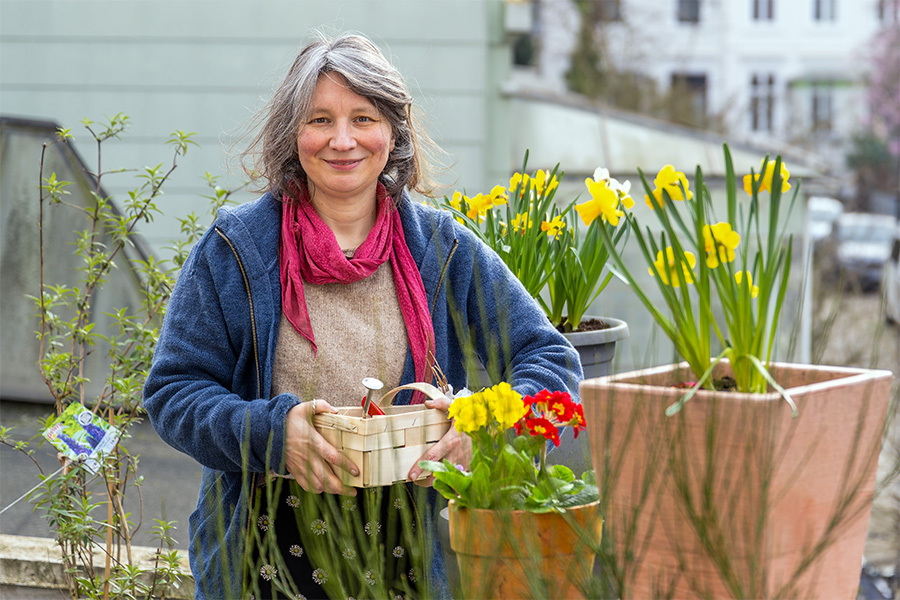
(369, 74)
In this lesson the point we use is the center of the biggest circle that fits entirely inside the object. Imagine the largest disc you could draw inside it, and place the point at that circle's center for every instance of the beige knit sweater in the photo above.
(359, 332)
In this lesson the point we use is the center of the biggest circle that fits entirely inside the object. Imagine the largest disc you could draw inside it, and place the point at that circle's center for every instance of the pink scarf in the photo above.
(309, 251)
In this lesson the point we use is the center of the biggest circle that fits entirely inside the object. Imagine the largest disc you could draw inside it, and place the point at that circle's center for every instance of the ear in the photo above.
(393, 143)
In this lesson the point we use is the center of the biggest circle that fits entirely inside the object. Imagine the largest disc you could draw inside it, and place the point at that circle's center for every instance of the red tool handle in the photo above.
(374, 409)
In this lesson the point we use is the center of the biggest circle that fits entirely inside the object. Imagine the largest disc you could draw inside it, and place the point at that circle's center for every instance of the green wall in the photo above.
(206, 66)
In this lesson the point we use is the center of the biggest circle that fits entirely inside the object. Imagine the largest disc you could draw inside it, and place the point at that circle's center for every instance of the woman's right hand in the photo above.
(315, 464)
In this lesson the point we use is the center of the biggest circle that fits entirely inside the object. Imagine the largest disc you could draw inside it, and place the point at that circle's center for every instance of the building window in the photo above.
(822, 108)
(689, 11)
(888, 11)
(763, 10)
(690, 92)
(609, 10)
(824, 10)
(762, 102)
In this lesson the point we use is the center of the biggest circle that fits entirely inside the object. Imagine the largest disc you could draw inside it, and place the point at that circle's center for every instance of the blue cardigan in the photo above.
(208, 393)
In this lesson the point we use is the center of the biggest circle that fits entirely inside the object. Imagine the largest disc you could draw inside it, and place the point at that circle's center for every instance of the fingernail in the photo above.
(414, 475)
(354, 472)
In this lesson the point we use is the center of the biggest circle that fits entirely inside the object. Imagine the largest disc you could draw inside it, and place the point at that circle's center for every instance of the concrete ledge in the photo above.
(30, 564)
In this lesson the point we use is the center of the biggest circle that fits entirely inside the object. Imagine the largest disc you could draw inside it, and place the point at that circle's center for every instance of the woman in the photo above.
(333, 275)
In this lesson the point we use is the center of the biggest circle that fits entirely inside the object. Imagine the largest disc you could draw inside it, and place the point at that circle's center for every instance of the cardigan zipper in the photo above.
(252, 315)
(240, 263)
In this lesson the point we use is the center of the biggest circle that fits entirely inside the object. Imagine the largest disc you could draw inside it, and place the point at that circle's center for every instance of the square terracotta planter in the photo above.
(732, 497)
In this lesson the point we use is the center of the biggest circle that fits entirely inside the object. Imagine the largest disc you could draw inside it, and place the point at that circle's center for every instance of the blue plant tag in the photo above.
(82, 436)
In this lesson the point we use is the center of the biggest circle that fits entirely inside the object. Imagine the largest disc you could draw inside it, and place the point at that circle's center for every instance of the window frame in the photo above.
(763, 10)
(762, 102)
(822, 103)
(687, 11)
(825, 10)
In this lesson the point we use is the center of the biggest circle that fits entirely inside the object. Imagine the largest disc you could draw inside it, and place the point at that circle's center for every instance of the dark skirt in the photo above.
(303, 545)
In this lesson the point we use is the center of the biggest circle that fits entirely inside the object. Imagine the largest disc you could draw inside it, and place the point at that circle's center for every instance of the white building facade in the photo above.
(772, 71)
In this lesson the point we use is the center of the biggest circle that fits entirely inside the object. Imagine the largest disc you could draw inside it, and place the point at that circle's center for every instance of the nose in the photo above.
(343, 138)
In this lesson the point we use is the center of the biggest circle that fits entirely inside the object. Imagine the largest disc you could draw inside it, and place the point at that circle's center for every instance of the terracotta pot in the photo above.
(519, 554)
(732, 497)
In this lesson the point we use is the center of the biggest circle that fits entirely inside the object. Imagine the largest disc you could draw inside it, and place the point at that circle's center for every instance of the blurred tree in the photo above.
(875, 151)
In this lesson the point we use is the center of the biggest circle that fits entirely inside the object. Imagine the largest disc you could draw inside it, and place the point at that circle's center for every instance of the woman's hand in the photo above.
(315, 464)
(454, 446)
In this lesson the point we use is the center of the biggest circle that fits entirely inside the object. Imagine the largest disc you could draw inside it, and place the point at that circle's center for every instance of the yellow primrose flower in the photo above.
(719, 242)
(604, 203)
(505, 404)
(469, 413)
(767, 171)
(540, 180)
(521, 223)
(670, 180)
(739, 277)
(498, 195)
(665, 268)
(553, 227)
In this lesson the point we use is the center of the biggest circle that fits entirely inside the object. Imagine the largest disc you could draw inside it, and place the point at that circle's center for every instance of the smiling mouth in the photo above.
(344, 163)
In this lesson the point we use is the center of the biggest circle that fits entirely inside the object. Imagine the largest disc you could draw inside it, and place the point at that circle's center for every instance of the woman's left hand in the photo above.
(454, 446)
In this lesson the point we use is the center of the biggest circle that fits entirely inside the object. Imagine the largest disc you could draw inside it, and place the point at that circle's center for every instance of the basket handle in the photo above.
(426, 388)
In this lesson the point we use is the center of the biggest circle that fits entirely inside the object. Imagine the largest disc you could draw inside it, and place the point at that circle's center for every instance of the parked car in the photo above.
(891, 283)
(864, 243)
(821, 214)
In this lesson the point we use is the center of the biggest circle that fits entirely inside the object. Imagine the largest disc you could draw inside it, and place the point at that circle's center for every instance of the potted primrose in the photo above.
(519, 527)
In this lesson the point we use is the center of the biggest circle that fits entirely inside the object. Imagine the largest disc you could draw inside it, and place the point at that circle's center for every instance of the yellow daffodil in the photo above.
(623, 190)
(767, 171)
(666, 267)
(601, 174)
(456, 202)
(478, 205)
(656, 201)
(521, 223)
(554, 226)
(739, 277)
(719, 242)
(498, 195)
(518, 183)
(604, 203)
(541, 180)
(505, 404)
(469, 413)
(671, 181)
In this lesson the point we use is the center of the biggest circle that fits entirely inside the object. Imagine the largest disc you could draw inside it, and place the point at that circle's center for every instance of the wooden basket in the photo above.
(385, 447)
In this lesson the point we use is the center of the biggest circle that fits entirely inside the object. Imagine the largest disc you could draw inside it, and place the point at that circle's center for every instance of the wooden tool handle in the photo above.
(426, 388)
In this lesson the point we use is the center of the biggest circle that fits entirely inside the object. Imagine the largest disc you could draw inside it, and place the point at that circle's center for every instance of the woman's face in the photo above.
(344, 144)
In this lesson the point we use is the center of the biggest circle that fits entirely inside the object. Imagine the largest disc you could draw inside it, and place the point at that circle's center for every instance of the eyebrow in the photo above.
(361, 108)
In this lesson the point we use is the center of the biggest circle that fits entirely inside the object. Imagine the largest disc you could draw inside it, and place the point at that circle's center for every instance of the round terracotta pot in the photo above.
(519, 554)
